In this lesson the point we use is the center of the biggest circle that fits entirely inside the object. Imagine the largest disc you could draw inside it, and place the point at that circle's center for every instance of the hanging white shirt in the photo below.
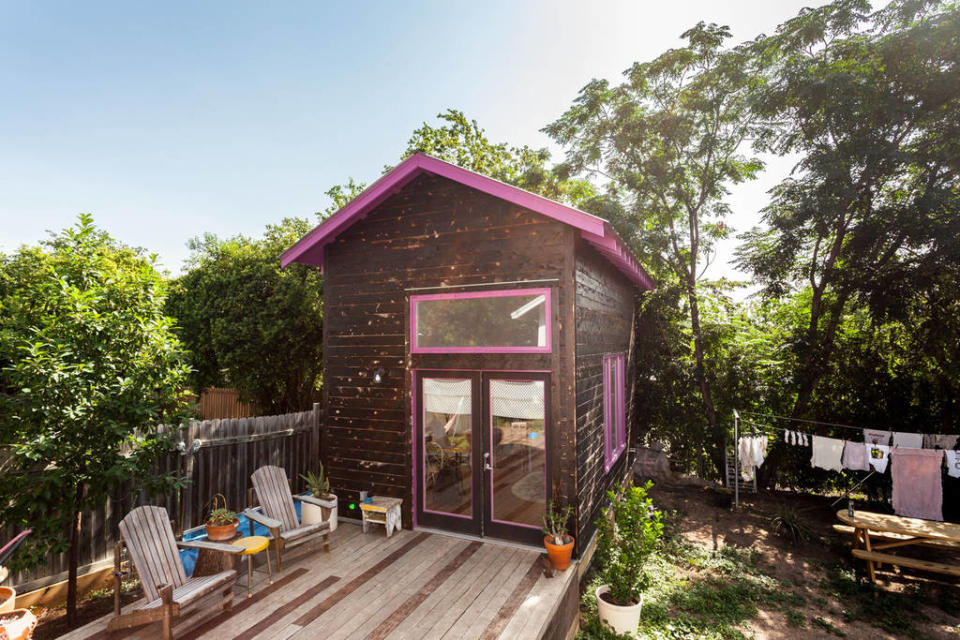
(827, 453)
(876, 436)
(752, 450)
(952, 460)
(878, 455)
(908, 440)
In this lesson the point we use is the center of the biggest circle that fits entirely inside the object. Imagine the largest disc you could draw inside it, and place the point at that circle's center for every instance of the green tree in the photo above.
(872, 211)
(668, 139)
(249, 324)
(464, 143)
(89, 366)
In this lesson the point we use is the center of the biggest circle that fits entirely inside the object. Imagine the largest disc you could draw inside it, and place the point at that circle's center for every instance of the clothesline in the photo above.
(819, 422)
(816, 422)
(917, 490)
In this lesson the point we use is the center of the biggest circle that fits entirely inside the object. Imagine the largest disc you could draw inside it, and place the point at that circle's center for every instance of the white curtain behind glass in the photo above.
(521, 399)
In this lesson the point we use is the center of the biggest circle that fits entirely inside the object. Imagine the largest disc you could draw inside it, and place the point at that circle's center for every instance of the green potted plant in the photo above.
(318, 484)
(221, 522)
(558, 542)
(630, 530)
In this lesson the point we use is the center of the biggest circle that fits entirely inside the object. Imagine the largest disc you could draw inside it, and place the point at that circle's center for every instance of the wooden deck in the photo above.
(411, 585)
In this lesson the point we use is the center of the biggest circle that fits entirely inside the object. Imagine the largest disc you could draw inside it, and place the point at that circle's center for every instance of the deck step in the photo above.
(903, 561)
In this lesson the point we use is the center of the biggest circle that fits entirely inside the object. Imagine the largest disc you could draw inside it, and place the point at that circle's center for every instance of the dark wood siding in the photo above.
(605, 313)
(433, 232)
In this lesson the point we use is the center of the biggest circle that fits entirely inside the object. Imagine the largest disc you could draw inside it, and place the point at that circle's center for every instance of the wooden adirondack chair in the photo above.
(279, 514)
(153, 548)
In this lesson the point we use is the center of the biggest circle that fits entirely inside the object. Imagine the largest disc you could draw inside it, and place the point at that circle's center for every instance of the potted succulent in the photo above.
(558, 542)
(318, 484)
(630, 530)
(221, 523)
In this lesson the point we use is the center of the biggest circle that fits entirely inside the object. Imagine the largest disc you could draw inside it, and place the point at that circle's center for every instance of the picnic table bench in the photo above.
(899, 531)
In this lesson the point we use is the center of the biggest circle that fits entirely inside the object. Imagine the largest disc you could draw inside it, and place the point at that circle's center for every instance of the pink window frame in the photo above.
(499, 293)
(546, 445)
(614, 409)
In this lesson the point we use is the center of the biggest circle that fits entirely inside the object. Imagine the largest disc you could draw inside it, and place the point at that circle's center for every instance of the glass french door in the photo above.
(482, 452)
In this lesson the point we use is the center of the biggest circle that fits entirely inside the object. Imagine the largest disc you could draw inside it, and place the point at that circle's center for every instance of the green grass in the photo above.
(715, 602)
(796, 619)
(715, 595)
(895, 613)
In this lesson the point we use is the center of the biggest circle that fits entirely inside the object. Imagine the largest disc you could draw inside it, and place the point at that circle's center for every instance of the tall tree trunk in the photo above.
(821, 345)
(73, 558)
(716, 451)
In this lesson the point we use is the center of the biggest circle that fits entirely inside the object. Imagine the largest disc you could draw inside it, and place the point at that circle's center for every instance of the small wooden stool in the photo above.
(382, 510)
(252, 545)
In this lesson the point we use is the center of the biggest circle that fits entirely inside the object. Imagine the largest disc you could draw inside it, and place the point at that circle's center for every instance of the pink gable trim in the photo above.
(597, 231)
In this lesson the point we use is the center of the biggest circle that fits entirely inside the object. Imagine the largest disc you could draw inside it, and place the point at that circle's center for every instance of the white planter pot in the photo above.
(622, 619)
(312, 514)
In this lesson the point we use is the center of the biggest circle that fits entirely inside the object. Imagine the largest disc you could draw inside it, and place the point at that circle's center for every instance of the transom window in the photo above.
(512, 321)
(614, 408)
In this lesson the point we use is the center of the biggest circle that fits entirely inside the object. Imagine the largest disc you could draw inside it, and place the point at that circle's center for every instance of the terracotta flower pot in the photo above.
(559, 553)
(8, 596)
(217, 533)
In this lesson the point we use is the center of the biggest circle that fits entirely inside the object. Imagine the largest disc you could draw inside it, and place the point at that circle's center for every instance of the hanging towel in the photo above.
(827, 453)
(952, 460)
(878, 455)
(855, 456)
(806, 442)
(931, 441)
(752, 451)
(875, 436)
(917, 488)
(908, 440)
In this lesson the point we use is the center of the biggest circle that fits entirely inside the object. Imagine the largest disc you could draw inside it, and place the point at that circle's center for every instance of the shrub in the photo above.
(630, 530)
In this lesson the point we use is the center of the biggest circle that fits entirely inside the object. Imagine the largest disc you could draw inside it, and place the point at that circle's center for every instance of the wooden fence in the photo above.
(215, 456)
(219, 402)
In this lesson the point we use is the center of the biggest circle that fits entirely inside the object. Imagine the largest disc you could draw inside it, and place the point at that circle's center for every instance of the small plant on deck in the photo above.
(317, 483)
(557, 541)
(555, 522)
(221, 522)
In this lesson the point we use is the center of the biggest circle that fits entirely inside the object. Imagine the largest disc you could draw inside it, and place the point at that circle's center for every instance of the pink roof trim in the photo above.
(597, 231)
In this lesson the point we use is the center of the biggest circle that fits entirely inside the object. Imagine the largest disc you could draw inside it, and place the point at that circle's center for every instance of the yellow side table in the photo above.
(382, 510)
(252, 545)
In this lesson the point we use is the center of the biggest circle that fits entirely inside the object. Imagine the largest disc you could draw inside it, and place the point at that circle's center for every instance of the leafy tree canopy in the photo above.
(249, 324)
(872, 212)
(462, 142)
(89, 366)
(668, 139)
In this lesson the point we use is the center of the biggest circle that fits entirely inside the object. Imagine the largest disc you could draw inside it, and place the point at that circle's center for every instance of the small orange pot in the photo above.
(8, 598)
(221, 532)
(559, 553)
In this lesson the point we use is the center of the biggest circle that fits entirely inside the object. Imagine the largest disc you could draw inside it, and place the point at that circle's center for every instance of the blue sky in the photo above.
(167, 120)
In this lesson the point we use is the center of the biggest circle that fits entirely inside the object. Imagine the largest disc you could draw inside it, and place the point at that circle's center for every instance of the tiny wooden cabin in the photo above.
(477, 351)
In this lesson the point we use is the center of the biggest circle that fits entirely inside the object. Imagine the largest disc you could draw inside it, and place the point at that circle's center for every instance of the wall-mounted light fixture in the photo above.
(379, 375)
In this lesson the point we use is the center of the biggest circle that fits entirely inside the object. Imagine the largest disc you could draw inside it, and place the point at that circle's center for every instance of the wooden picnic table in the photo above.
(900, 531)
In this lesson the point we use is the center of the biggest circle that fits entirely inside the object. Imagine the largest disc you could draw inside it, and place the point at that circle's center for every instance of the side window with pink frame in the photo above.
(504, 321)
(614, 408)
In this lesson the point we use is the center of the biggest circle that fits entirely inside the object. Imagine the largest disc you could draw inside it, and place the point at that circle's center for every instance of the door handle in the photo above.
(487, 467)
(486, 461)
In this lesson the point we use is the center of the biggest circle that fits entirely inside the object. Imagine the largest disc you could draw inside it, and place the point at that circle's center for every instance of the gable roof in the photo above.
(597, 231)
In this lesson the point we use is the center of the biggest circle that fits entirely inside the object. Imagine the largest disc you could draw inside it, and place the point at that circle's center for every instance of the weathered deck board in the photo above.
(411, 585)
